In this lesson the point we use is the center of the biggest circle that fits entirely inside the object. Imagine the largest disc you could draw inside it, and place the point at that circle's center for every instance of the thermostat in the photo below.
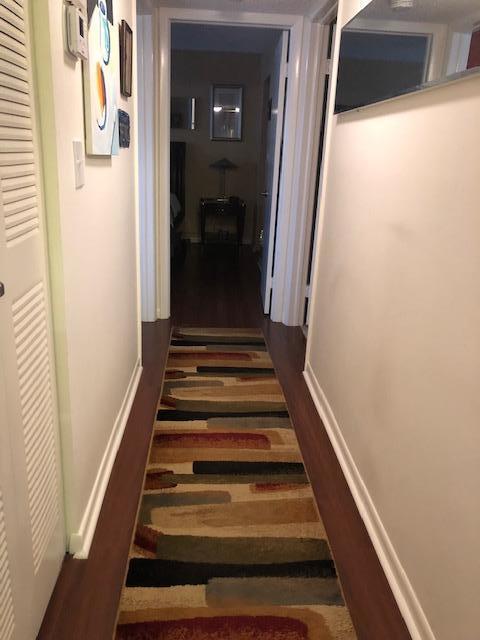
(76, 31)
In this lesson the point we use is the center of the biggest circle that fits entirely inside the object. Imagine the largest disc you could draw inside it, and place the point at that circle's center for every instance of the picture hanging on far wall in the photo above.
(100, 73)
(227, 112)
(123, 128)
(126, 48)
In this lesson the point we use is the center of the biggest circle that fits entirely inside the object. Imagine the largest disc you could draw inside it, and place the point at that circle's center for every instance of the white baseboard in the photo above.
(80, 541)
(402, 589)
(161, 315)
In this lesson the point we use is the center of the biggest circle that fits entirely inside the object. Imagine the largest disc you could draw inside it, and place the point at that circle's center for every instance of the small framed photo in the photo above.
(227, 112)
(126, 49)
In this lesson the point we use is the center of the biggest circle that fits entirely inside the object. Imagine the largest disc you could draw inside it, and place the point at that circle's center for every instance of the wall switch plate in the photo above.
(79, 163)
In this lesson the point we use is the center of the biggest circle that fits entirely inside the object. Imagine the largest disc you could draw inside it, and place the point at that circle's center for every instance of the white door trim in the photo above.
(304, 177)
(281, 93)
(316, 33)
(161, 132)
(146, 124)
(323, 69)
(325, 169)
(290, 204)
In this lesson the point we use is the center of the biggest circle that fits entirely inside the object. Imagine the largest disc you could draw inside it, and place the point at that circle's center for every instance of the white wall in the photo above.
(93, 245)
(394, 343)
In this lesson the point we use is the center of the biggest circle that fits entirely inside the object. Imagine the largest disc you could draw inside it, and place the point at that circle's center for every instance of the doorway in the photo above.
(159, 243)
(225, 160)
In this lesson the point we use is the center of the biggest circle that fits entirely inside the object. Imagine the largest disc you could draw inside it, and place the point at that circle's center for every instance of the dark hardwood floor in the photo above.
(219, 289)
(215, 287)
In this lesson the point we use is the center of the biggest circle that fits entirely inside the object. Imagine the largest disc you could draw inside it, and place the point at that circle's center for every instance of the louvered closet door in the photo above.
(32, 541)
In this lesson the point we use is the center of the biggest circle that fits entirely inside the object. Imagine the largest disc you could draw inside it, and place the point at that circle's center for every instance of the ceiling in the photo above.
(202, 37)
(295, 7)
(433, 11)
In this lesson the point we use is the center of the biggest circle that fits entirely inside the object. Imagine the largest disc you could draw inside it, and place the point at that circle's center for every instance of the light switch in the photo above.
(79, 163)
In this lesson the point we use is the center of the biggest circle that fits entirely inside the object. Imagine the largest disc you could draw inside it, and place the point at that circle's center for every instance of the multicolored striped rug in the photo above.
(228, 543)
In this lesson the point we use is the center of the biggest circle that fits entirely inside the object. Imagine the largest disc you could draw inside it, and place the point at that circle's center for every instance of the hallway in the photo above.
(85, 601)
(340, 135)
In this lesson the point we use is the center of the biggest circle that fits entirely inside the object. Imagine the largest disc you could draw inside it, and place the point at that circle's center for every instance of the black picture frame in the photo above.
(123, 129)
(227, 124)
(126, 52)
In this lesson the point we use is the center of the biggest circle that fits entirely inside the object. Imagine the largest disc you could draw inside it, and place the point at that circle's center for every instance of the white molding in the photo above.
(161, 133)
(307, 130)
(324, 175)
(145, 168)
(135, 129)
(290, 200)
(402, 589)
(80, 541)
(230, 17)
(314, 74)
(276, 213)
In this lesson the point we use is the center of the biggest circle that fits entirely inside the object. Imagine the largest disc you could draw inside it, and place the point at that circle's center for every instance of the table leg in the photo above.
(240, 224)
(203, 217)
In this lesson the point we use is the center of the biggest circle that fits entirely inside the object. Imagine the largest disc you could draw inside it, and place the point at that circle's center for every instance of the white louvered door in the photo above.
(32, 540)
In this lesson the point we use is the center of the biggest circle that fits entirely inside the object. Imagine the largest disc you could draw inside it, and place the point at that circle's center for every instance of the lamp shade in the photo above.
(224, 164)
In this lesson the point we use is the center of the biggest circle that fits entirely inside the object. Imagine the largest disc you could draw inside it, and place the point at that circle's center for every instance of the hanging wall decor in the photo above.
(126, 52)
(100, 73)
(124, 128)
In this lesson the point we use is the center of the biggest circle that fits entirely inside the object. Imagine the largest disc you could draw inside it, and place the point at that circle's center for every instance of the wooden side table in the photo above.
(223, 207)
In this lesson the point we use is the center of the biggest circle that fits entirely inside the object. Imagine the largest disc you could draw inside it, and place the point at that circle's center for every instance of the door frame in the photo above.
(268, 258)
(313, 80)
(320, 119)
(290, 206)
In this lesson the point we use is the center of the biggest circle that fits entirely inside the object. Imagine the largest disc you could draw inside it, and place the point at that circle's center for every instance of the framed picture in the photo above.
(124, 128)
(126, 47)
(183, 113)
(227, 112)
(100, 75)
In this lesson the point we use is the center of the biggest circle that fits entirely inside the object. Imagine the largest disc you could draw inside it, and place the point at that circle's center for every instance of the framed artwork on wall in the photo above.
(227, 112)
(124, 129)
(100, 73)
(126, 48)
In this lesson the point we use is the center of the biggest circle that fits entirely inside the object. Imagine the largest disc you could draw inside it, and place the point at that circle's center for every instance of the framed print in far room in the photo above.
(126, 49)
(227, 112)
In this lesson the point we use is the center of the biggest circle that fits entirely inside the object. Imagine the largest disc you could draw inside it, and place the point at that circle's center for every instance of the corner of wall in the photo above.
(81, 518)
(81, 540)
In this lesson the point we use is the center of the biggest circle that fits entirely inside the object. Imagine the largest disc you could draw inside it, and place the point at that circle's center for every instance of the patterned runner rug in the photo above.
(228, 542)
